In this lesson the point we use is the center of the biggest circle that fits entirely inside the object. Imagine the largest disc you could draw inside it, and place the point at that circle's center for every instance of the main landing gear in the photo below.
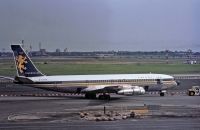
(90, 96)
(101, 96)
(104, 97)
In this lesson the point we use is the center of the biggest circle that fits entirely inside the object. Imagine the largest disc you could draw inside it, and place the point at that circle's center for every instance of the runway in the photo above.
(184, 112)
(172, 124)
(24, 112)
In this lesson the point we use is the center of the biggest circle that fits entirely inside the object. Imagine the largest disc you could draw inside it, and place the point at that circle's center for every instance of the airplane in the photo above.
(90, 85)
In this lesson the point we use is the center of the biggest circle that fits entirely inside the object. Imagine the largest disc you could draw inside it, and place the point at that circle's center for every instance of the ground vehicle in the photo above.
(195, 90)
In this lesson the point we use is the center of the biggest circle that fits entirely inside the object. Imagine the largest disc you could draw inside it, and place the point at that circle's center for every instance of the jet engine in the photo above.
(134, 90)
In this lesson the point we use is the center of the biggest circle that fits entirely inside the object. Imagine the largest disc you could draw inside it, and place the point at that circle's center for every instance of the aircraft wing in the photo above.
(119, 89)
(102, 88)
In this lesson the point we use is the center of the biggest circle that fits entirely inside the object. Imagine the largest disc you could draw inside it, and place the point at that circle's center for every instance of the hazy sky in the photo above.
(87, 25)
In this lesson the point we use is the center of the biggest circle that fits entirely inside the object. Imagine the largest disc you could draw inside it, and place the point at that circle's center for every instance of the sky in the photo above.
(101, 25)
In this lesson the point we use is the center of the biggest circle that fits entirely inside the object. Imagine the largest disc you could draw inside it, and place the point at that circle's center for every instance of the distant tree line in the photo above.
(159, 54)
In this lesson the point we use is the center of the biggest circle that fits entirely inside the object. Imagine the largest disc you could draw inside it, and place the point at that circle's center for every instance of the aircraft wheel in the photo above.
(107, 97)
(162, 94)
(104, 97)
(100, 97)
(90, 96)
(191, 93)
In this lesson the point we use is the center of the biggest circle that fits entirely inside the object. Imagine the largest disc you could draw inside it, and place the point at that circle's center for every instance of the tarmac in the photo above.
(23, 108)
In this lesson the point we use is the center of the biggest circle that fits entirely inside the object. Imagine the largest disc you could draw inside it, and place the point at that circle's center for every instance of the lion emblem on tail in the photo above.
(21, 61)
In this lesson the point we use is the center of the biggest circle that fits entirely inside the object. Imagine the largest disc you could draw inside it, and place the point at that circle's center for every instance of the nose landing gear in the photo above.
(162, 93)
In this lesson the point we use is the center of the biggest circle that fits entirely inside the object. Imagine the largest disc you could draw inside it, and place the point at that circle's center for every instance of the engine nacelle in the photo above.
(134, 90)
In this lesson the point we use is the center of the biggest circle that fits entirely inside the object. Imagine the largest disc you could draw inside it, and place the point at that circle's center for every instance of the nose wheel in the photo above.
(162, 93)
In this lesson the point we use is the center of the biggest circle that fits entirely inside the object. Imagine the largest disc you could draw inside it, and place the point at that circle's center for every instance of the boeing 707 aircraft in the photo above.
(90, 85)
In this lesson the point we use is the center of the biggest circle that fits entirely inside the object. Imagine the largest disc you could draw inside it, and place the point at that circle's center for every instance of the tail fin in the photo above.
(24, 65)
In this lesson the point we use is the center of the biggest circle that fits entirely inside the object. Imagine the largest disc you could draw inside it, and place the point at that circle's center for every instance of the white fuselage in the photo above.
(77, 83)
